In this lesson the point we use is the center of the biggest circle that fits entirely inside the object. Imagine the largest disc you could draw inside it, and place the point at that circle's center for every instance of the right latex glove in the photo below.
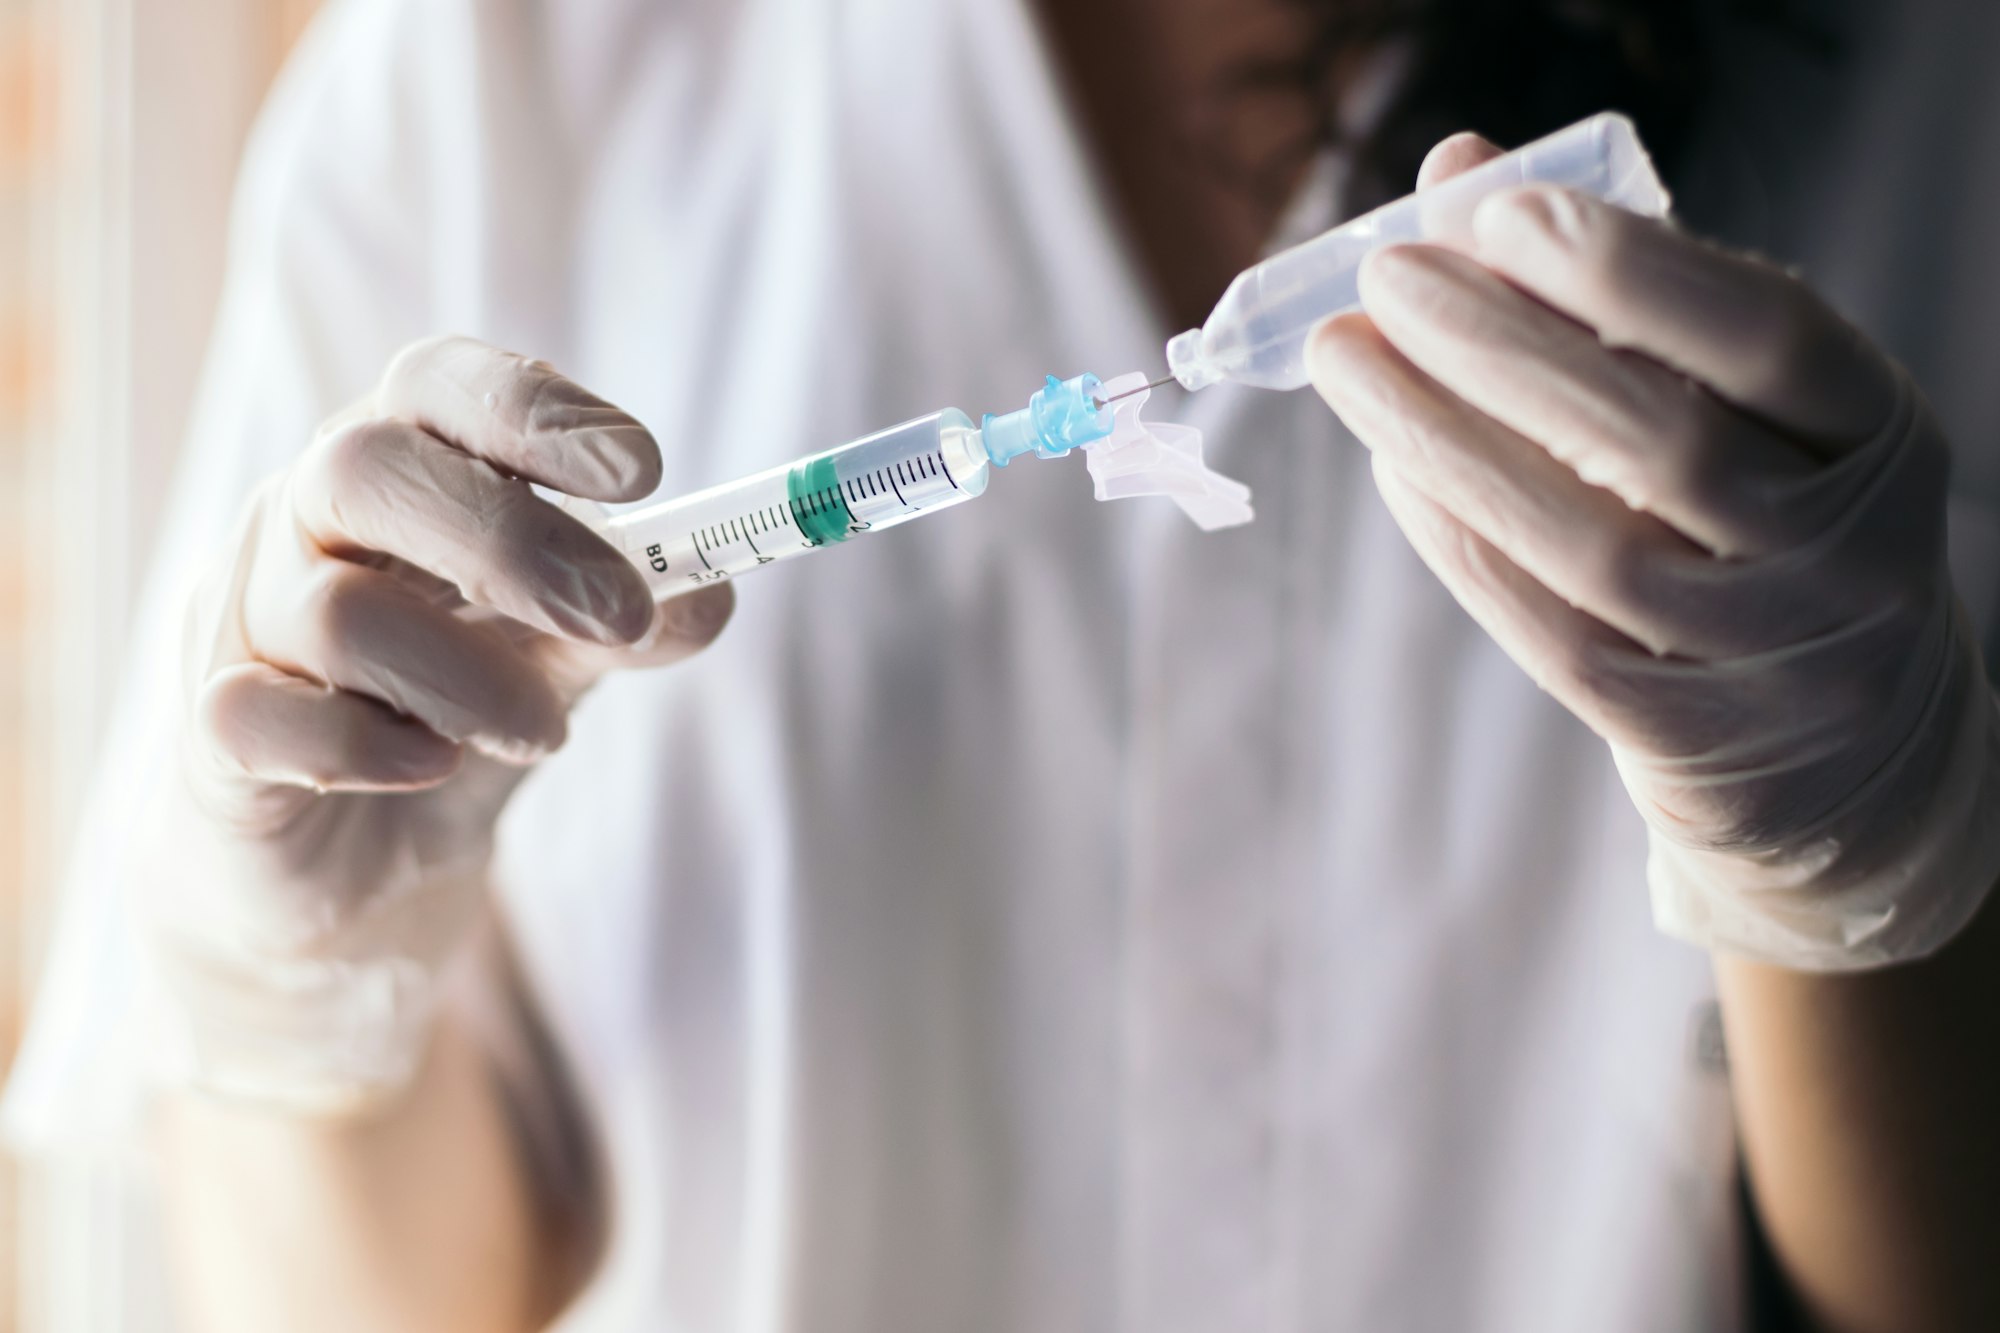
(397, 630)
(1709, 517)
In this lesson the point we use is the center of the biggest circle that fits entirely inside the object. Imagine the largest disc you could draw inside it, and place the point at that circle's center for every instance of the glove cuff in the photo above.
(251, 1000)
(1856, 899)
(302, 1037)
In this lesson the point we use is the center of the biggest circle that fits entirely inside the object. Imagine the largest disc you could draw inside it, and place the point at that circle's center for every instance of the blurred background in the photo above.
(121, 122)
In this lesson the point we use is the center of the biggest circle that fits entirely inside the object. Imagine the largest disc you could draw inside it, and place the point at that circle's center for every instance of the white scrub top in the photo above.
(1044, 917)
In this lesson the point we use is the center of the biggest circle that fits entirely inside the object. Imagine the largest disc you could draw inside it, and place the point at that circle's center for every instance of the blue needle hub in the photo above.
(1062, 415)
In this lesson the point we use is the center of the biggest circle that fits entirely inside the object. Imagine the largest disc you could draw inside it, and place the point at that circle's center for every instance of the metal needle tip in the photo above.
(1164, 379)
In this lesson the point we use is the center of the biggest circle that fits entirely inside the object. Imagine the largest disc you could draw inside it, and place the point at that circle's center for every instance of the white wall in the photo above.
(151, 102)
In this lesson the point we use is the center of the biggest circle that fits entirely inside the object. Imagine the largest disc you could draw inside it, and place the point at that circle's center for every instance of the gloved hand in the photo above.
(1705, 514)
(396, 632)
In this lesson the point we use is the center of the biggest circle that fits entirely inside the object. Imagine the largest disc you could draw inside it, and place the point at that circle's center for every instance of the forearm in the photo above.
(1869, 1105)
(420, 1217)
(346, 745)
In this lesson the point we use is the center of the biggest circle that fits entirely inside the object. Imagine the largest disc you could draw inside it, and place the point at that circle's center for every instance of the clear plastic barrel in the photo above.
(871, 484)
(1257, 332)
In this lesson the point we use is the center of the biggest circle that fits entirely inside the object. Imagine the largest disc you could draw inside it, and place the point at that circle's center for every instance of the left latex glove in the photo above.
(1704, 513)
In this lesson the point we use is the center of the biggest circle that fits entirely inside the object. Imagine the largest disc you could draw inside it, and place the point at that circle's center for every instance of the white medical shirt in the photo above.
(1045, 917)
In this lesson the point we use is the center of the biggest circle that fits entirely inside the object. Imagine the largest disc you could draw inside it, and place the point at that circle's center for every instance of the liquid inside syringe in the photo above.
(871, 484)
(865, 486)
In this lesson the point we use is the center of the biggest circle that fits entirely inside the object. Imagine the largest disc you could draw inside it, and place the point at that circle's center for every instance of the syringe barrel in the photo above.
(870, 484)
(1257, 333)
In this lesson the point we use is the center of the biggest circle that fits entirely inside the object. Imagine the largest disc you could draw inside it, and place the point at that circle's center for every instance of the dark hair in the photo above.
(1512, 70)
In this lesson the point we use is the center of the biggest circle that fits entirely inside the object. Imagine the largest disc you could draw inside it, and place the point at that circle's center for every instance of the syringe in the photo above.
(1257, 332)
(1255, 336)
(865, 486)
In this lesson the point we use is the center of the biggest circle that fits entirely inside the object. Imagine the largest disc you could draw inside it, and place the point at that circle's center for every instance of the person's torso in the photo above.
(1047, 916)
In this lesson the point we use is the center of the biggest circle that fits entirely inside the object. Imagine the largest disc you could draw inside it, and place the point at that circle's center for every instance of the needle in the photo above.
(1164, 379)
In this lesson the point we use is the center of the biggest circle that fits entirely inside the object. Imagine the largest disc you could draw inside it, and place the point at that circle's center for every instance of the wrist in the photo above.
(259, 998)
(300, 1037)
(1892, 875)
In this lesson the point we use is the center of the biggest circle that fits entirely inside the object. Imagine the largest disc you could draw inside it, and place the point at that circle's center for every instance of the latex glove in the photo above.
(1705, 514)
(396, 632)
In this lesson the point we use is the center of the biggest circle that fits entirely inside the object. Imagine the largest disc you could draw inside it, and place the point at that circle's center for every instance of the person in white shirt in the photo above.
(1049, 917)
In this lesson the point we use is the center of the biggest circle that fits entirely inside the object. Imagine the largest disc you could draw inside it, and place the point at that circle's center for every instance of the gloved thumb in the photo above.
(682, 626)
(1451, 157)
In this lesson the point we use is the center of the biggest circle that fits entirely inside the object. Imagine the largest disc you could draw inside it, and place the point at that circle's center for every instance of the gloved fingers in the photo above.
(381, 486)
(1627, 569)
(1453, 156)
(432, 588)
(1638, 702)
(358, 629)
(256, 722)
(1565, 651)
(682, 626)
(1620, 420)
(522, 417)
(1754, 334)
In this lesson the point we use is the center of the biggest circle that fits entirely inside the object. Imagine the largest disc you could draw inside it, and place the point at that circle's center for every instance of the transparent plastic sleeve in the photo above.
(1257, 332)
